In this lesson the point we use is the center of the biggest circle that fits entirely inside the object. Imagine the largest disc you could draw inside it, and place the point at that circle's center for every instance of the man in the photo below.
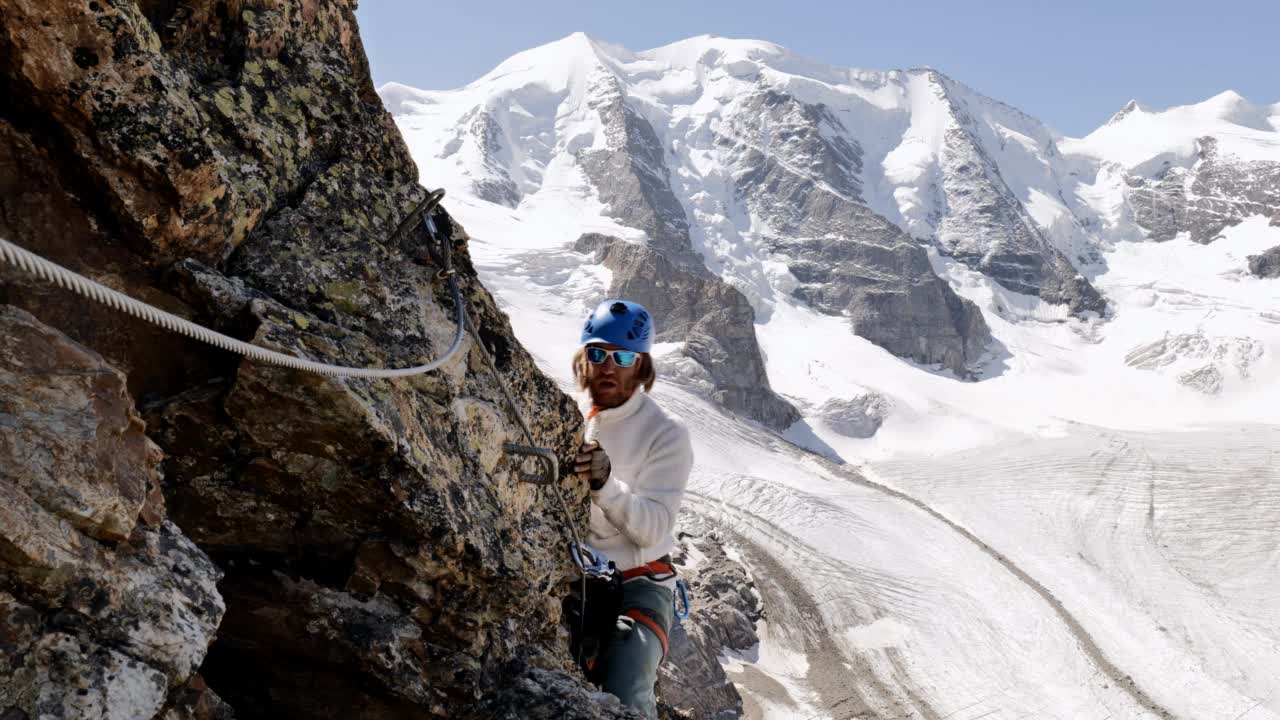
(636, 459)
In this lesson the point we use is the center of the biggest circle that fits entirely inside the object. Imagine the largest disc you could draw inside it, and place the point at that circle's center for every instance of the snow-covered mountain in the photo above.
(1038, 375)
(1197, 169)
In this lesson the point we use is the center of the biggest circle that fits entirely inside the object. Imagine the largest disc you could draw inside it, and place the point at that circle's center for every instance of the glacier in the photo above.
(1080, 520)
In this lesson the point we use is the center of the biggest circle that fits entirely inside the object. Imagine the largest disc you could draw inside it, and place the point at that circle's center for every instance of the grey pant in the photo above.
(632, 656)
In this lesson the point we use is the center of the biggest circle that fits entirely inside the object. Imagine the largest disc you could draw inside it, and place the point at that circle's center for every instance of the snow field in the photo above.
(1079, 514)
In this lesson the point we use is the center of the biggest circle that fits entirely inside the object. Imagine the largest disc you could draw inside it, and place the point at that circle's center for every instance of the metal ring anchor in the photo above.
(422, 209)
(550, 463)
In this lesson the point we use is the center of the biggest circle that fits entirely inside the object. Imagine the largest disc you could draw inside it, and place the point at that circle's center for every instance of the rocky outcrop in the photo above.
(987, 228)
(847, 260)
(724, 609)
(630, 175)
(399, 539)
(858, 417)
(1198, 361)
(1217, 192)
(231, 163)
(106, 608)
(490, 181)
(712, 318)
(1266, 265)
(535, 694)
(891, 296)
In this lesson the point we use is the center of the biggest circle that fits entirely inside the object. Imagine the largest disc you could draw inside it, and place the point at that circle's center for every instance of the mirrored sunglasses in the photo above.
(621, 358)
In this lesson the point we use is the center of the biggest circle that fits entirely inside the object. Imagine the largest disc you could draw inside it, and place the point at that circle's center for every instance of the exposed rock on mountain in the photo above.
(1266, 265)
(536, 694)
(1215, 193)
(631, 177)
(106, 608)
(771, 187)
(377, 496)
(713, 319)
(232, 163)
(888, 291)
(1194, 169)
(858, 417)
(847, 259)
(986, 227)
(724, 609)
(1198, 361)
(495, 185)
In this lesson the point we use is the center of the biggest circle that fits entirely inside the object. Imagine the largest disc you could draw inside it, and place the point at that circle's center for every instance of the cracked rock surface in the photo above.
(269, 542)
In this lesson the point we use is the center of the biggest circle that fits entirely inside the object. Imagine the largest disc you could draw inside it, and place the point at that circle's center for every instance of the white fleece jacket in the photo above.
(634, 513)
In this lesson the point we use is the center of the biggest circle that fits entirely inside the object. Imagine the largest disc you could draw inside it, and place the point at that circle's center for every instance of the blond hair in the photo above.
(647, 374)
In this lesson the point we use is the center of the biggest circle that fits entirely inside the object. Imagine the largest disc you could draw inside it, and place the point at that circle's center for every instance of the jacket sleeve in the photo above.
(646, 510)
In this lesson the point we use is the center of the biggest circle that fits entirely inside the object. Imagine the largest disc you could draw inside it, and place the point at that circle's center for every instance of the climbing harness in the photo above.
(601, 604)
(658, 570)
(644, 618)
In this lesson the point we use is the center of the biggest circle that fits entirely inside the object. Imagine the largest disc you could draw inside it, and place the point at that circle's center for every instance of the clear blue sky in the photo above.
(1071, 63)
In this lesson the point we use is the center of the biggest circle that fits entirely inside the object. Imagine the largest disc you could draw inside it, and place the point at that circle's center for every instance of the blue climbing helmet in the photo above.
(619, 322)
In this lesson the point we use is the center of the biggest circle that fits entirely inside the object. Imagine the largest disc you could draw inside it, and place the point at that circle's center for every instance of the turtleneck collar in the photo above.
(605, 416)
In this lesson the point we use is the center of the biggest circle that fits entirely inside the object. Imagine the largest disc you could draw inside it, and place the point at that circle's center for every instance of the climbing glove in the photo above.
(592, 465)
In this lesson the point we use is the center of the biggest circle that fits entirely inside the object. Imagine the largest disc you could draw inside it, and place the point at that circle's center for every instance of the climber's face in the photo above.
(609, 383)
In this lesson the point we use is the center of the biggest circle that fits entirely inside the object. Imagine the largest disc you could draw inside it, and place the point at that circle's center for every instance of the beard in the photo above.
(610, 392)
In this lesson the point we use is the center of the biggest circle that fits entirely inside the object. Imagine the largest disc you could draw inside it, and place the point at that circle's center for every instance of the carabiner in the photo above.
(591, 562)
(683, 600)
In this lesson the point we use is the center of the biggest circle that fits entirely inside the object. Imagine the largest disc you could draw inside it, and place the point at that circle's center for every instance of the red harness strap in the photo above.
(649, 570)
(640, 617)
(655, 570)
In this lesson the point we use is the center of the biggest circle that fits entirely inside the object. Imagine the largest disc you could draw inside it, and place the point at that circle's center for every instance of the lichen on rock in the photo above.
(106, 608)
(231, 163)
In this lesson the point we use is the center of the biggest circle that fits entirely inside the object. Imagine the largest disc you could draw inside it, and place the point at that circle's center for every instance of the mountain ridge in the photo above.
(797, 192)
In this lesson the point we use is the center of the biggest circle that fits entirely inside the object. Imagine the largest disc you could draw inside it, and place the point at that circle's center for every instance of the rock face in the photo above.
(847, 259)
(630, 175)
(1198, 361)
(724, 611)
(106, 608)
(713, 319)
(542, 695)
(1217, 192)
(491, 182)
(858, 417)
(1266, 265)
(230, 162)
(988, 229)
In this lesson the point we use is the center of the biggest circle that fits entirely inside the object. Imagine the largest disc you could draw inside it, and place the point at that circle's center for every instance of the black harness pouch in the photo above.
(590, 632)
